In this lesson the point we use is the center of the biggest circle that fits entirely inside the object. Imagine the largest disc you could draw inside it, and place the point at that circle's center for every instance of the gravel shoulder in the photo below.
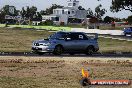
(58, 72)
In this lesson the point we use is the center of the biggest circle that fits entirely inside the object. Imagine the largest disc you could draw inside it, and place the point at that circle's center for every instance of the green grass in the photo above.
(66, 28)
(20, 40)
(57, 28)
(2, 25)
(114, 45)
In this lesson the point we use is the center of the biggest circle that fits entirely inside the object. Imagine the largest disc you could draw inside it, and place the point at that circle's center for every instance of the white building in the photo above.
(69, 14)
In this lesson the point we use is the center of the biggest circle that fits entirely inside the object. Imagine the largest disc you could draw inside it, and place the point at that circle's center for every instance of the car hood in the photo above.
(45, 41)
(42, 41)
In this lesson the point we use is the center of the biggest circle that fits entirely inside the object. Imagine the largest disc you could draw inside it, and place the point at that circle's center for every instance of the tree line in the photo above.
(29, 13)
(32, 13)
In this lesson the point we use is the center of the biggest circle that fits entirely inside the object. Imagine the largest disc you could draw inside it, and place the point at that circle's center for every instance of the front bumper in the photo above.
(42, 49)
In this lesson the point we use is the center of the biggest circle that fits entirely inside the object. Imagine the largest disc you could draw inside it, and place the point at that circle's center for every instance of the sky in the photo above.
(43, 4)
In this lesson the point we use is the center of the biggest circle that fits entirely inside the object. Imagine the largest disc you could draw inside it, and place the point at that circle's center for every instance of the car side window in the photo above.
(74, 36)
(61, 36)
(78, 36)
(81, 37)
(58, 36)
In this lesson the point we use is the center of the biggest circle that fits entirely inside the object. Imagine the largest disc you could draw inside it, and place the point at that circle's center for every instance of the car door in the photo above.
(82, 42)
(71, 45)
(78, 42)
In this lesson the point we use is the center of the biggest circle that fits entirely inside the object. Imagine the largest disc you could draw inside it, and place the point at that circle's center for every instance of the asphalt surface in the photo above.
(117, 54)
(118, 37)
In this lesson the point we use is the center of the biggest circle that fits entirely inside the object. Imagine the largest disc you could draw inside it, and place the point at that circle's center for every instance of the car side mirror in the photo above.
(68, 39)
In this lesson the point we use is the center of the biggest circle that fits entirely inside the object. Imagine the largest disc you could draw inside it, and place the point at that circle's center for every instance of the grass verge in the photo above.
(20, 40)
(58, 28)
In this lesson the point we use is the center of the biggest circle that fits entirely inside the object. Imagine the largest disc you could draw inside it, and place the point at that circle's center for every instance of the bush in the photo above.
(47, 22)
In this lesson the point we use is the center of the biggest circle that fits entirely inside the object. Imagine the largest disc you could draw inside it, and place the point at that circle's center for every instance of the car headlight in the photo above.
(36, 44)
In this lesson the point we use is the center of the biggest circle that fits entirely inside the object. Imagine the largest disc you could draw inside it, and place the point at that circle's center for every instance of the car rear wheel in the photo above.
(131, 34)
(90, 50)
(58, 50)
(71, 53)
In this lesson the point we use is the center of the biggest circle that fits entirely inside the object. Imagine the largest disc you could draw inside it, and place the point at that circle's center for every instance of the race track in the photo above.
(30, 54)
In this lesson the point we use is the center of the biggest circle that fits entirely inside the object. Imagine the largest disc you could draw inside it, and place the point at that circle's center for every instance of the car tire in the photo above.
(40, 53)
(131, 34)
(71, 53)
(89, 50)
(58, 50)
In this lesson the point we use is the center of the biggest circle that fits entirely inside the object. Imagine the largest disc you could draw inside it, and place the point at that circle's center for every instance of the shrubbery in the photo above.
(47, 22)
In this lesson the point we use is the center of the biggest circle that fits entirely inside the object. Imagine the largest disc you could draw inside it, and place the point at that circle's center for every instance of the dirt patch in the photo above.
(58, 72)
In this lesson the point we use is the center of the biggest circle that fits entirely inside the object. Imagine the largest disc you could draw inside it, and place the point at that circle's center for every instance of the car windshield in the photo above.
(58, 36)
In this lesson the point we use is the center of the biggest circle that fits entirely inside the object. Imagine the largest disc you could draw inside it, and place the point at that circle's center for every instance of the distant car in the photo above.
(127, 31)
(69, 42)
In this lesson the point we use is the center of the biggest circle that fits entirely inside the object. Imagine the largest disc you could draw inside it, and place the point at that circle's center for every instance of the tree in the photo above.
(33, 10)
(124, 19)
(5, 11)
(129, 19)
(99, 12)
(81, 8)
(43, 12)
(37, 17)
(108, 19)
(90, 13)
(2, 17)
(23, 12)
(29, 12)
(117, 19)
(118, 5)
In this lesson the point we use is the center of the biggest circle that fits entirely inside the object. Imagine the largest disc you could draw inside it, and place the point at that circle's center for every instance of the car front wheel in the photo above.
(58, 50)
